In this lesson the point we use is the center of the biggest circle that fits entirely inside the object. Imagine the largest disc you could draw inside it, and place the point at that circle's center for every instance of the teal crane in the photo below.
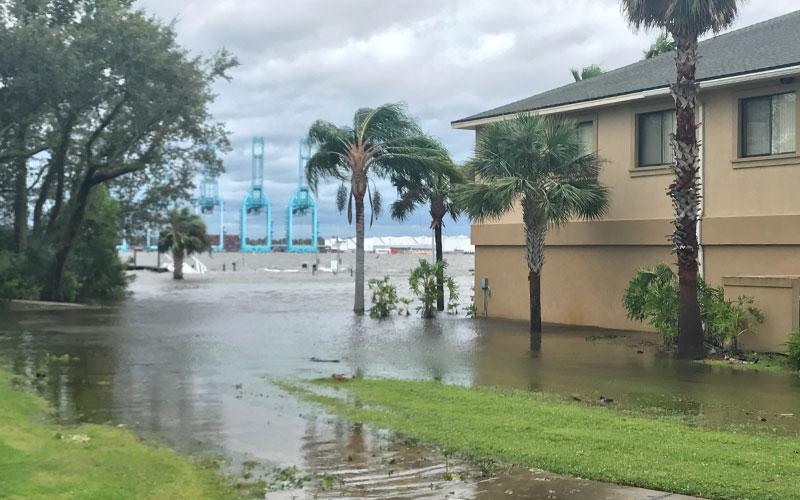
(256, 202)
(301, 203)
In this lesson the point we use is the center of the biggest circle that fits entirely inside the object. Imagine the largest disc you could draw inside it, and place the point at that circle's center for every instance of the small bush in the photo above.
(793, 350)
(15, 282)
(653, 296)
(384, 298)
(423, 282)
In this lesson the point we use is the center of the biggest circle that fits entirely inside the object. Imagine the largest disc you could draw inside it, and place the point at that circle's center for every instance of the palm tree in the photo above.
(686, 21)
(538, 161)
(433, 189)
(185, 235)
(588, 72)
(661, 45)
(381, 141)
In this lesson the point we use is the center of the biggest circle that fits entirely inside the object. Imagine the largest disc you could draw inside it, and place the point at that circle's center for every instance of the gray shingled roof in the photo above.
(770, 44)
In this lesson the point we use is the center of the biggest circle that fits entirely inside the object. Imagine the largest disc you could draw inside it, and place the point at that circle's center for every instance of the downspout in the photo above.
(701, 178)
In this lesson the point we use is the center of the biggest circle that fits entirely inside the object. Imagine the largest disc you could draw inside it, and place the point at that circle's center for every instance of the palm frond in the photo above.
(341, 197)
(487, 200)
(408, 201)
(688, 17)
(384, 124)
(329, 159)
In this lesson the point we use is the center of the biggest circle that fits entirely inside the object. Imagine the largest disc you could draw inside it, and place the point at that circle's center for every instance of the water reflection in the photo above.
(187, 362)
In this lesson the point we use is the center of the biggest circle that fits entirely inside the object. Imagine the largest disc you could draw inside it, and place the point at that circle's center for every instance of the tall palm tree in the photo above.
(185, 235)
(686, 21)
(538, 161)
(433, 189)
(587, 72)
(381, 141)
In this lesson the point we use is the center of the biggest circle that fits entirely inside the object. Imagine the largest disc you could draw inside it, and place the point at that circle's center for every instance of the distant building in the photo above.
(402, 244)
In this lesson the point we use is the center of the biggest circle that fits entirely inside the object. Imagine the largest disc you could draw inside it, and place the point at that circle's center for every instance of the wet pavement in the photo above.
(190, 363)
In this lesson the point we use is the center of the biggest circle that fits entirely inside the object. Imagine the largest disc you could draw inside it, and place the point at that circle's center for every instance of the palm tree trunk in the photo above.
(437, 233)
(685, 194)
(358, 301)
(177, 262)
(535, 290)
(534, 246)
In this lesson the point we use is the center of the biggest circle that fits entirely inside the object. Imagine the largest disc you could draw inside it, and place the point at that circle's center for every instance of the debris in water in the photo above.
(320, 360)
(340, 377)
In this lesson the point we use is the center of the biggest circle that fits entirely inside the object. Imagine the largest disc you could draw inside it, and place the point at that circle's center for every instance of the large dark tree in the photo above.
(540, 163)
(686, 21)
(114, 98)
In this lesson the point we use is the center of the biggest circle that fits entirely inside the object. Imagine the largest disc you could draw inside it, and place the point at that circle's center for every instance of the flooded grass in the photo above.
(39, 459)
(536, 430)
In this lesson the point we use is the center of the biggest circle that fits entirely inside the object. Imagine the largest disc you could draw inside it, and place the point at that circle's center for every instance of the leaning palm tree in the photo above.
(185, 235)
(381, 141)
(539, 162)
(686, 21)
(433, 189)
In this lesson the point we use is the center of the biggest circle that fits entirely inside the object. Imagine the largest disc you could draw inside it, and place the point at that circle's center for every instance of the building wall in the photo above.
(751, 223)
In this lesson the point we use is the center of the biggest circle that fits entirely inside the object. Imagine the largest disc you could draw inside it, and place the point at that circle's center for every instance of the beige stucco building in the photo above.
(750, 174)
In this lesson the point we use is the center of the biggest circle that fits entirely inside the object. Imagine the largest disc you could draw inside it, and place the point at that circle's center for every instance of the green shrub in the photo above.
(384, 298)
(15, 282)
(793, 350)
(423, 284)
(98, 274)
(653, 296)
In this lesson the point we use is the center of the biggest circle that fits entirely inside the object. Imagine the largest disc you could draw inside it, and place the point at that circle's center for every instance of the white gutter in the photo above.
(701, 178)
(634, 96)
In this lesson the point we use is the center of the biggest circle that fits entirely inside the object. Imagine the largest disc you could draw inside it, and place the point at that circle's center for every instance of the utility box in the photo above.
(778, 297)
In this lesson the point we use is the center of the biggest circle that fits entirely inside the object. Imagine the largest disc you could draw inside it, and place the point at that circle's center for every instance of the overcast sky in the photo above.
(303, 60)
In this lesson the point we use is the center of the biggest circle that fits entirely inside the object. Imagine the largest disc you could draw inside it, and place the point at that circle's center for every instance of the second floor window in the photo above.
(586, 136)
(653, 138)
(768, 125)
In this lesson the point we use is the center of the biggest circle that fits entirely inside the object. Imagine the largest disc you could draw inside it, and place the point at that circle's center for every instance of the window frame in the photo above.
(591, 123)
(638, 138)
(743, 125)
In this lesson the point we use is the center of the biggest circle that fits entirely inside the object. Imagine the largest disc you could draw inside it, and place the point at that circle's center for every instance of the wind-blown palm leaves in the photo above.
(382, 141)
(539, 162)
(686, 21)
(435, 189)
(185, 235)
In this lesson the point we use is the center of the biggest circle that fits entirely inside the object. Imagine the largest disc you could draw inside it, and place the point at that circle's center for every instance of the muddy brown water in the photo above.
(189, 363)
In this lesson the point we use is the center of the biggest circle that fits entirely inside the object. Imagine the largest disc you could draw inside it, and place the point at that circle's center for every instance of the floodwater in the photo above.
(190, 362)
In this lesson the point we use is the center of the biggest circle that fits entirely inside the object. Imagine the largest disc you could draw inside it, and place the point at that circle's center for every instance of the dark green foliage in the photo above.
(96, 270)
(587, 72)
(793, 350)
(384, 298)
(662, 44)
(423, 282)
(652, 296)
(15, 282)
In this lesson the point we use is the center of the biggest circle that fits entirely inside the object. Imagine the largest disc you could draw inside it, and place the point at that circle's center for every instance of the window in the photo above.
(586, 136)
(768, 125)
(654, 138)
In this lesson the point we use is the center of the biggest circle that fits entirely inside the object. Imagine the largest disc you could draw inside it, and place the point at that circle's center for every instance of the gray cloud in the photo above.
(447, 59)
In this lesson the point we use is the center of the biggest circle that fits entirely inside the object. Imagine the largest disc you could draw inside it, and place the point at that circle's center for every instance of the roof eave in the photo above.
(472, 124)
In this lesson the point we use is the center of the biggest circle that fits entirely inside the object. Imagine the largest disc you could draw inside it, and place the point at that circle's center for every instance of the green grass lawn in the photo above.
(39, 459)
(536, 430)
(773, 363)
